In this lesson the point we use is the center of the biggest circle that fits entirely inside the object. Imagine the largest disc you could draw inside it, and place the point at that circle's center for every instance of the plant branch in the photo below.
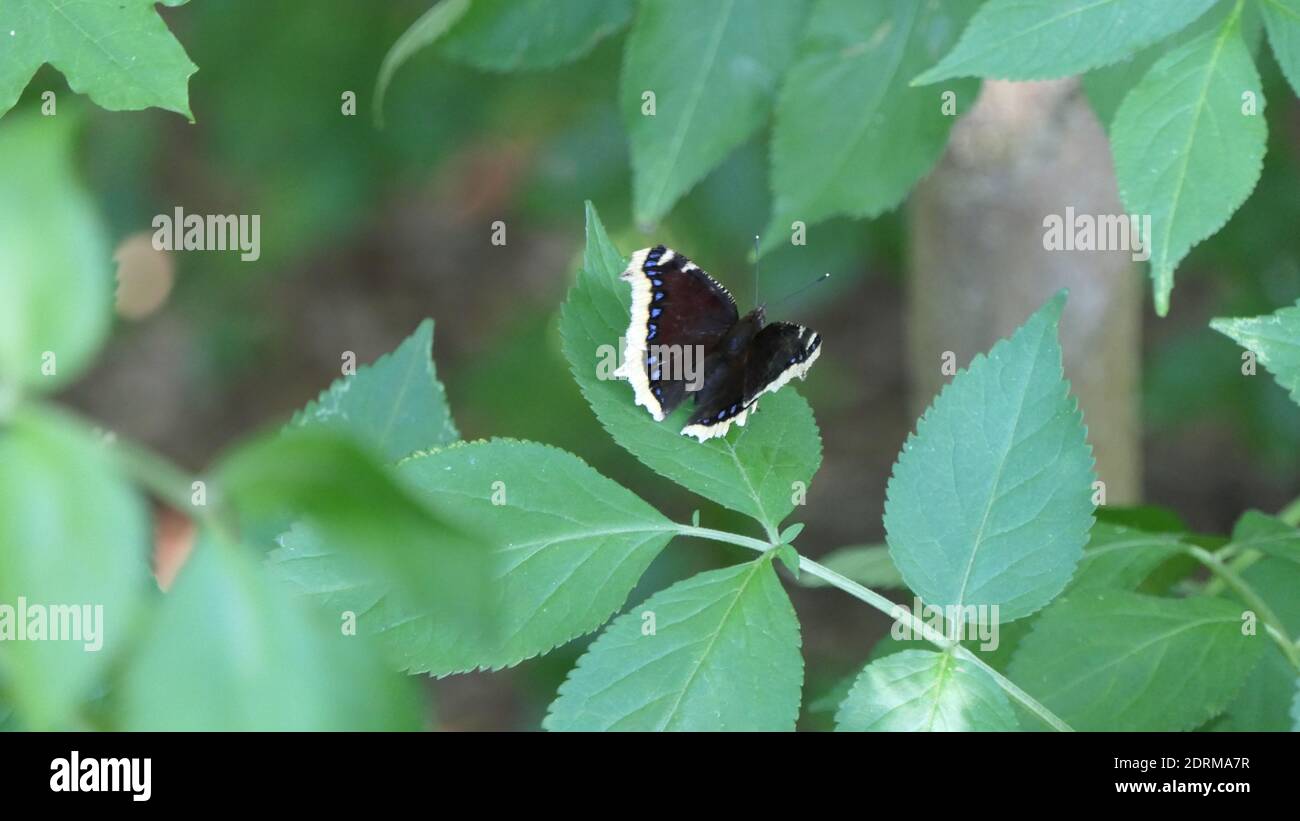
(723, 536)
(1289, 515)
(156, 474)
(891, 609)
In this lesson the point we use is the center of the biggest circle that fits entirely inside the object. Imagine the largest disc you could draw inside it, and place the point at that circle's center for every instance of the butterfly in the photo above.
(686, 338)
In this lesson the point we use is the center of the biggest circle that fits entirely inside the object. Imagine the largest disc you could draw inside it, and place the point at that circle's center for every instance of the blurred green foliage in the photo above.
(270, 139)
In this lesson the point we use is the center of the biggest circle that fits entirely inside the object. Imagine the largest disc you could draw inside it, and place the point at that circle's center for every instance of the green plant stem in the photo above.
(722, 536)
(1272, 624)
(156, 474)
(891, 609)
(159, 476)
(1216, 585)
(1288, 515)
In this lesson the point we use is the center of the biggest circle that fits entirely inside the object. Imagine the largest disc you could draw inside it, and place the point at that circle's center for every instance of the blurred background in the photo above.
(367, 231)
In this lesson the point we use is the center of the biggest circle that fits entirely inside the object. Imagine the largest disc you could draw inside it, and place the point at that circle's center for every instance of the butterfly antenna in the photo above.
(818, 281)
(756, 302)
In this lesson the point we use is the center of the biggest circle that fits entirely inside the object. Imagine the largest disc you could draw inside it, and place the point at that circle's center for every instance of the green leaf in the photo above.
(394, 406)
(357, 505)
(1046, 39)
(718, 651)
(1295, 709)
(55, 297)
(229, 650)
(1264, 702)
(990, 500)
(1267, 534)
(1120, 661)
(425, 31)
(791, 533)
(851, 136)
(831, 699)
(121, 54)
(72, 535)
(1107, 86)
(1185, 153)
(1122, 558)
(713, 69)
(924, 691)
(1151, 518)
(401, 621)
(1275, 339)
(568, 546)
(527, 35)
(753, 469)
(868, 565)
(1282, 22)
(8, 719)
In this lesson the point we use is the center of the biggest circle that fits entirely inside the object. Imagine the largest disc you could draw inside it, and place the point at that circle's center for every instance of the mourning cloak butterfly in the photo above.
(687, 337)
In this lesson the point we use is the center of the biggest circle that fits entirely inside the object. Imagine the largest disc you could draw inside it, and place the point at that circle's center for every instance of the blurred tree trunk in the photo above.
(978, 266)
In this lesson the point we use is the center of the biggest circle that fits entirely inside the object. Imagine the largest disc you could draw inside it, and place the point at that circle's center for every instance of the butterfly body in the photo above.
(686, 339)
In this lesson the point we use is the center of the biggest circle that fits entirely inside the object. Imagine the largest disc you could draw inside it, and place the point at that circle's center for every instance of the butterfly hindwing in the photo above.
(780, 352)
(721, 401)
(677, 311)
(768, 360)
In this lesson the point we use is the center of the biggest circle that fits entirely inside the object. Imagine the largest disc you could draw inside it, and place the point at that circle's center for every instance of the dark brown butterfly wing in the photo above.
(678, 311)
(779, 352)
(721, 401)
(768, 360)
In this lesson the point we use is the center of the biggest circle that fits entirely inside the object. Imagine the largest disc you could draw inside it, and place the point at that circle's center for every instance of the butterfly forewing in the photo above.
(679, 314)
